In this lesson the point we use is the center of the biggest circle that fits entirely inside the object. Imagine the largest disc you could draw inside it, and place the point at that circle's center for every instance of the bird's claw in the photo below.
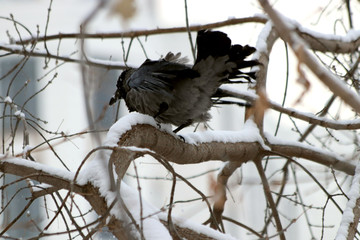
(182, 138)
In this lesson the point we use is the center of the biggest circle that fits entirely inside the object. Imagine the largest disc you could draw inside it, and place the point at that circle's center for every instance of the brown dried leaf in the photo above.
(259, 108)
(302, 80)
(125, 8)
(218, 191)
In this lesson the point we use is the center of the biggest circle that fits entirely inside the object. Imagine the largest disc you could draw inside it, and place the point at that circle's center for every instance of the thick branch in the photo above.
(176, 150)
(173, 149)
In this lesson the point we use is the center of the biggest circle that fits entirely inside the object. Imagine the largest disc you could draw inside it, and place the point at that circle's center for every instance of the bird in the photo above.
(181, 94)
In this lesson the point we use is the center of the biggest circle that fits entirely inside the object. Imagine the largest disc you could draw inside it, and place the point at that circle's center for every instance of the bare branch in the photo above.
(134, 34)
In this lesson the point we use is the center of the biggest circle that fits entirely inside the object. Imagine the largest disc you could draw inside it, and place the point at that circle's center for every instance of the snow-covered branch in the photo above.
(328, 42)
(351, 215)
(240, 146)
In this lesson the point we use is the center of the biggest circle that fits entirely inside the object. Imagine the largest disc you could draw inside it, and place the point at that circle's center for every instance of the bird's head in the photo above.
(121, 85)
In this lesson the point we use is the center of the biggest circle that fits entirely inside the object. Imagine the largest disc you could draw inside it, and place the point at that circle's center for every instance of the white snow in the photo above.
(26, 149)
(54, 171)
(20, 114)
(348, 215)
(40, 187)
(125, 124)
(261, 44)
(8, 100)
(351, 35)
(249, 133)
(106, 62)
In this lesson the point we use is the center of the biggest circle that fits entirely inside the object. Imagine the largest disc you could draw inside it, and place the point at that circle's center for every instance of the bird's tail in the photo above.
(218, 45)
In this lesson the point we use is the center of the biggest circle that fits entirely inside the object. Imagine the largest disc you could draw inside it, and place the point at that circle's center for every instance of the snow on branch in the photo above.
(329, 42)
(237, 146)
(351, 215)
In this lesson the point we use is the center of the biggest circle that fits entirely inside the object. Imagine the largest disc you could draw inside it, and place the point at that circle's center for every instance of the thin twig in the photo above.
(269, 198)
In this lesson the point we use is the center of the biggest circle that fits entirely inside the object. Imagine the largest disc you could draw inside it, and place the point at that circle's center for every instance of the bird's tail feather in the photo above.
(218, 44)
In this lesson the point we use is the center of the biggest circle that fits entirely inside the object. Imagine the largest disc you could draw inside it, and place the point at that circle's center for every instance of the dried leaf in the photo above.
(259, 108)
(302, 80)
(125, 8)
(218, 191)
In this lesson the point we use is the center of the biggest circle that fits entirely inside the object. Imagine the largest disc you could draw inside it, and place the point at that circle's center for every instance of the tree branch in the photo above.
(351, 215)
(307, 117)
(139, 33)
(175, 150)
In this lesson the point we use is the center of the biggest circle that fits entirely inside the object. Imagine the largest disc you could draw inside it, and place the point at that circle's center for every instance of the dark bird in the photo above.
(180, 94)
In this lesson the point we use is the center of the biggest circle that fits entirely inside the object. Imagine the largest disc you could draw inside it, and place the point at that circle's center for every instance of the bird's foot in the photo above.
(181, 138)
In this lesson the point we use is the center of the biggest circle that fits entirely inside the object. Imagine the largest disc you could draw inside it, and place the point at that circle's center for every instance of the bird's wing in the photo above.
(160, 76)
(151, 86)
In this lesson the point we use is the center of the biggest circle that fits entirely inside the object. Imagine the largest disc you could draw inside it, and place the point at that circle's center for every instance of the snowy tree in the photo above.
(75, 168)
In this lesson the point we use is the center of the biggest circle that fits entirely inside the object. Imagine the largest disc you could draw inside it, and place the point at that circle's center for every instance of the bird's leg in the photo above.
(181, 138)
(187, 123)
